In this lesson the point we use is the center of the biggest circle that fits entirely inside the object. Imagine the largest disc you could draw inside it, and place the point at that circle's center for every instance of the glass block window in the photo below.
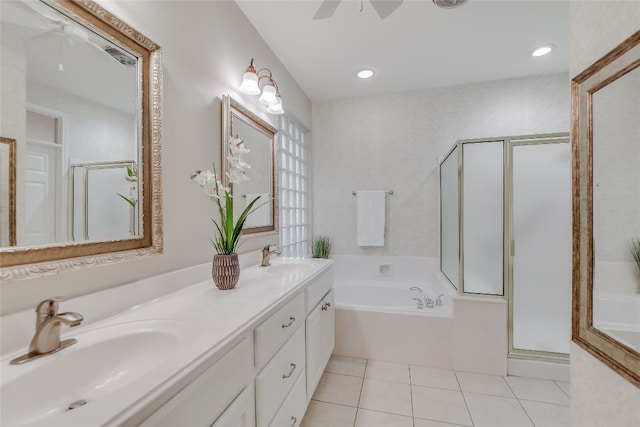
(294, 201)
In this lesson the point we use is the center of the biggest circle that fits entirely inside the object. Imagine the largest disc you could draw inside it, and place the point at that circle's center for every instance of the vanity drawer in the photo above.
(202, 401)
(274, 331)
(292, 410)
(318, 289)
(278, 377)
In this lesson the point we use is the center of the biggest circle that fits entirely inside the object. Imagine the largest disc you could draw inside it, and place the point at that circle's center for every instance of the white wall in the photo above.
(206, 48)
(95, 132)
(600, 397)
(394, 142)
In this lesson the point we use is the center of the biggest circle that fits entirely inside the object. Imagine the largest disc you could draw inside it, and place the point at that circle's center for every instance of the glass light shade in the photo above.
(276, 108)
(268, 96)
(250, 84)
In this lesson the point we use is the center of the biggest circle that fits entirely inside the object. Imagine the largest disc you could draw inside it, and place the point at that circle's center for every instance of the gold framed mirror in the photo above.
(606, 209)
(7, 191)
(87, 90)
(259, 137)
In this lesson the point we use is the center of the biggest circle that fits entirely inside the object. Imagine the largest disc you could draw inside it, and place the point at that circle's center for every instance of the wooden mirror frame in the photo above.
(11, 188)
(621, 60)
(231, 108)
(19, 263)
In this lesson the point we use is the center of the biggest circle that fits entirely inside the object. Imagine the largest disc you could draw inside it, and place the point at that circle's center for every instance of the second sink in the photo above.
(289, 268)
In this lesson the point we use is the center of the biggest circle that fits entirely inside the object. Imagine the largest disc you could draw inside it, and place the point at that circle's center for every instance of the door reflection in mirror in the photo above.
(104, 200)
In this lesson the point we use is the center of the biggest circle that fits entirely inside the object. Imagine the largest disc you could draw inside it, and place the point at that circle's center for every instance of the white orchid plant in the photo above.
(228, 233)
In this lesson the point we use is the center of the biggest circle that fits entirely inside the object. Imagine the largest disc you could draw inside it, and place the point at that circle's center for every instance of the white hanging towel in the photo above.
(262, 215)
(371, 217)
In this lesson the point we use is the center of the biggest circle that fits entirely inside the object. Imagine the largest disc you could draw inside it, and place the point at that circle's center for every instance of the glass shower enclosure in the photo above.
(505, 231)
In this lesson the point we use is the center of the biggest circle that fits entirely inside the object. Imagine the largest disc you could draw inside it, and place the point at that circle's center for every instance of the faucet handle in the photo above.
(49, 307)
(419, 302)
(439, 299)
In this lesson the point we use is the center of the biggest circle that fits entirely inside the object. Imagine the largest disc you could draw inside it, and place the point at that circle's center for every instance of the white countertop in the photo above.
(208, 320)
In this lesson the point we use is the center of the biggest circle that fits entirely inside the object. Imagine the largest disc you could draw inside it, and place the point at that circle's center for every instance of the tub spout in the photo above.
(426, 301)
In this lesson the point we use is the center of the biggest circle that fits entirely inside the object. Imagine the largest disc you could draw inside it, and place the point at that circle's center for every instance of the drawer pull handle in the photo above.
(294, 420)
(326, 306)
(291, 320)
(293, 368)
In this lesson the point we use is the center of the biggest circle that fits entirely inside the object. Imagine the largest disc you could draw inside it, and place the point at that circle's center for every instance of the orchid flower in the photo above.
(228, 232)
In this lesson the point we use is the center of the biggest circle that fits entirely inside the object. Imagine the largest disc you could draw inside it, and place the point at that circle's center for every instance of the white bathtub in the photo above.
(618, 314)
(377, 319)
(382, 296)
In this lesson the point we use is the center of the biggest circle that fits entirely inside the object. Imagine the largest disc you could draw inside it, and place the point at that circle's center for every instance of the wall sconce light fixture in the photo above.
(269, 95)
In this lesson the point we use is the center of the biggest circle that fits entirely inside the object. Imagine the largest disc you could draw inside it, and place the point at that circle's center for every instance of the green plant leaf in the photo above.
(128, 200)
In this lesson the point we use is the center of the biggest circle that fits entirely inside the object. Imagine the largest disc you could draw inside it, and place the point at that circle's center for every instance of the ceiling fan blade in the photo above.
(327, 9)
(385, 7)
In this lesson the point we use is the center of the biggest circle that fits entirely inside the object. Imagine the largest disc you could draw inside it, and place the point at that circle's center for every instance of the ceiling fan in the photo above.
(59, 26)
(384, 8)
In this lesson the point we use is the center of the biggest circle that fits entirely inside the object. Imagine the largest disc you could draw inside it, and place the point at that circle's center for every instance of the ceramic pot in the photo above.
(225, 271)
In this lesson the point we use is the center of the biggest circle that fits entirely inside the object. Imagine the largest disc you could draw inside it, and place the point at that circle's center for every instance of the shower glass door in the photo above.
(540, 248)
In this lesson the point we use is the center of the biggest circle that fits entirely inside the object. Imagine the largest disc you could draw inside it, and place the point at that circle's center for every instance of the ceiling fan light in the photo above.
(249, 83)
(449, 4)
(268, 96)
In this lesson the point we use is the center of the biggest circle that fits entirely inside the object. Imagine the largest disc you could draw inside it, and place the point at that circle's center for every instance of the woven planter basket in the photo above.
(225, 271)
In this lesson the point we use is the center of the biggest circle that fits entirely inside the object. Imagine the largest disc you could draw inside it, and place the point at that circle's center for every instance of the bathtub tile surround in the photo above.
(431, 399)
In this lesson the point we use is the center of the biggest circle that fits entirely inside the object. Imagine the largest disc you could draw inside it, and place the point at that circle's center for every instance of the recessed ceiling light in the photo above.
(365, 74)
(542, 50)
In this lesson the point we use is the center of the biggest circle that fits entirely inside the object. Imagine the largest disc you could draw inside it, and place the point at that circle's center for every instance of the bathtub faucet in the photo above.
(426, 301)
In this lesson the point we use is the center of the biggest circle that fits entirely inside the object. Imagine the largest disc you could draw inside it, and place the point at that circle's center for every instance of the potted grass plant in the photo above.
(321, 246)
(635, 250)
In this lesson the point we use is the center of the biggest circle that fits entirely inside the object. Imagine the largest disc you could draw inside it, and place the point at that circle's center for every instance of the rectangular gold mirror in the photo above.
(85, 89)
(7, 192)
(259, 137)
(606, 209)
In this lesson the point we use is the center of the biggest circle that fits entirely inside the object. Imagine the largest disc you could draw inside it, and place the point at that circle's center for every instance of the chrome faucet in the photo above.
(266, 254)
(426, 301)
(46, 340)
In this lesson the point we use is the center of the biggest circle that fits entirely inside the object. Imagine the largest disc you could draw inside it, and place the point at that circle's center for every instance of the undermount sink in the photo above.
(289, 268)
(102, 362)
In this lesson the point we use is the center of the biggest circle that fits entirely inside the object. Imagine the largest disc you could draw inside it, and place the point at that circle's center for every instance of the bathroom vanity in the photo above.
(251, 356)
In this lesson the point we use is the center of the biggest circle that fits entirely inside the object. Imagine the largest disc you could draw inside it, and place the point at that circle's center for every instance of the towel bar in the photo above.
(389, 192)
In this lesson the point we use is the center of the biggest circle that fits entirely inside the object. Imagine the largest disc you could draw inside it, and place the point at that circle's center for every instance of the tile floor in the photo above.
(368, 393)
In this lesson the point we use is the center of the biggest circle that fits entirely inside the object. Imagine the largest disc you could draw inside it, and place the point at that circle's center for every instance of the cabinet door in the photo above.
(202, 401)
(320, 340)
(241, 413)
